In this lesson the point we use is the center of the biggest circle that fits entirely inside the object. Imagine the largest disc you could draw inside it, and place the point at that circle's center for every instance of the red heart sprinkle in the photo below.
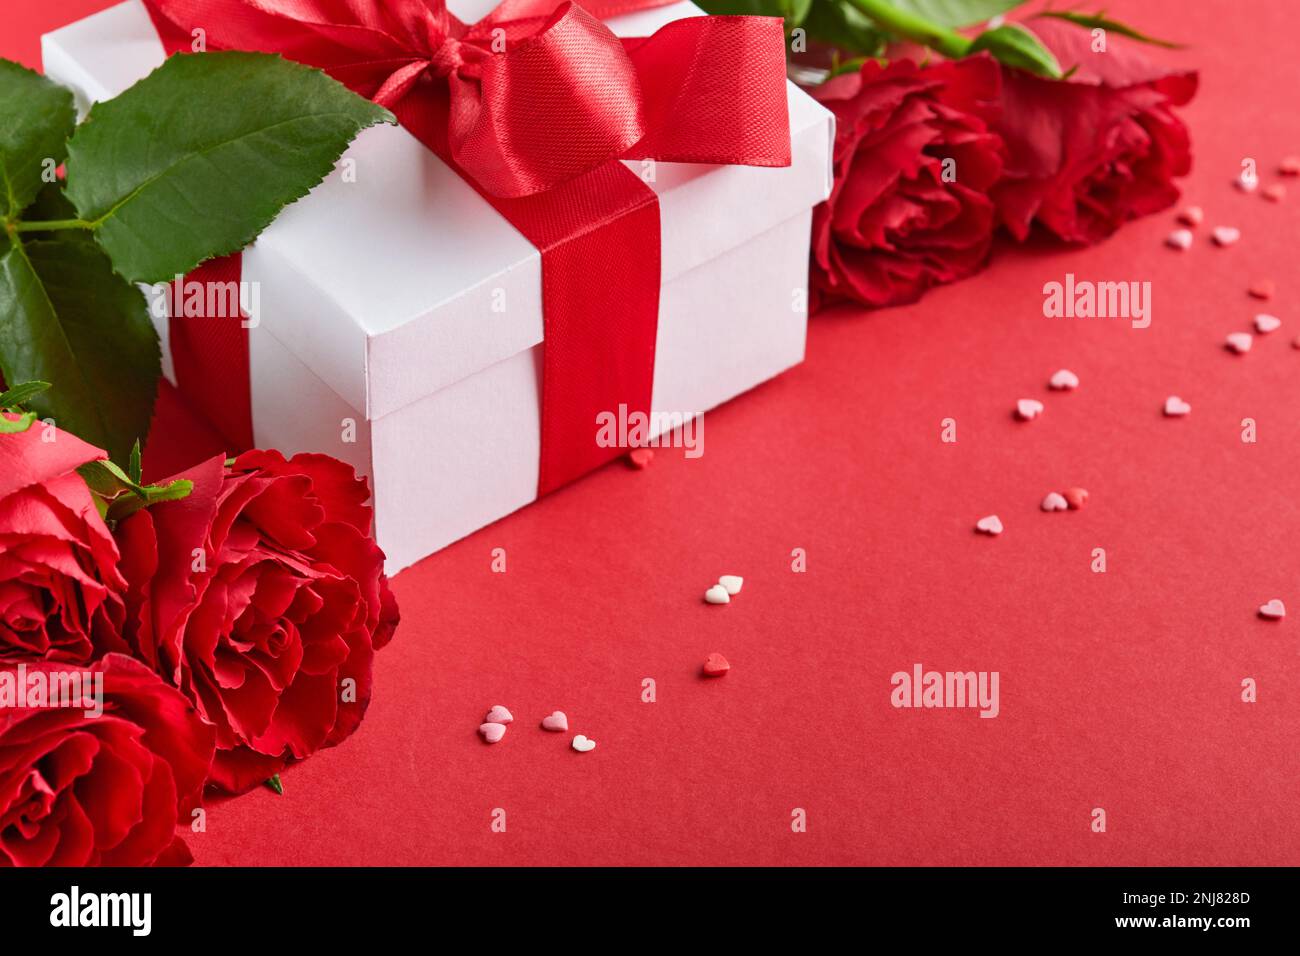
(1290, 166)
(1263, 288)
(640, 457)
(1274, 192)
(1077, 497)
(716, 665)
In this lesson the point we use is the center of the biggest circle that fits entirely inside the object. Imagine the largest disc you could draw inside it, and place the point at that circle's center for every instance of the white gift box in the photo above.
(399, 300)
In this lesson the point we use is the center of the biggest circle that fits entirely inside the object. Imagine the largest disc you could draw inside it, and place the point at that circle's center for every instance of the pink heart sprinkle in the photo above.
(1225, 235)
(1179, 239)
(1027, 409)
(990, 525)
(492, 732)
(1265, 323)
(1239, 342)
(1055, 501)
(556, 722)
(499, 715)
(1191, 216)
(1176, 407)
(1064, 380)
(1274, 610)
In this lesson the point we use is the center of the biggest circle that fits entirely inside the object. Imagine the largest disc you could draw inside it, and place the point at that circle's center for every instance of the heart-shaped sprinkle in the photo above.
(1064, 380)
(1180, 239)
(492, 732)
(1239, 342)
(498, 715)
(1027, 409)
(556, 721)
(1175, 407)
(1265, 323)
(1076, 497)
(1275, 192)
(1295, 343)
(1055, 501)
(715, 665)
(641, 457)
(583, 744)
(1191, 216)
(1225, 235)
(1247, 182)
(1290, 166)
(989, 525)
(717, 595)
(1274, 610)
(1262, 288)
(732, 582)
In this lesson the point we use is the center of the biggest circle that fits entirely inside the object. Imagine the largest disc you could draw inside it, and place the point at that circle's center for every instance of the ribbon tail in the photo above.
(210, 352)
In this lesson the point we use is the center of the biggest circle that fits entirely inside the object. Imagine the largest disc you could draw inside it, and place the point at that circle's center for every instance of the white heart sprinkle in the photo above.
(1239, 342)
(1274, 610)
(1175, 406)
(1028, 409)
(1225, 235)
(1265, 323)
(1191, 216)
(1055, 501)
(1064, 380)
(1179, 239)
(583, 744)
(990, 525)
(732, 582)
(717, 595)
(1247, 183)
(556, 721)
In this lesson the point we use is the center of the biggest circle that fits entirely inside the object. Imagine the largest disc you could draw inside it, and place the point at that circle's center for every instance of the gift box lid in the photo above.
(404, 279)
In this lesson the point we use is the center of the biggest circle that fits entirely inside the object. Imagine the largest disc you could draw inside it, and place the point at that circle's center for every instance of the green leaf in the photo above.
(51, 204)
(69, 320)
(20, 394)
(274, 783)
(1015, 46)
(837, 23)
(955, 13)
(121, 493)
(198, 157)
(793, 11)
(1099, 21)
(133, 470)
(38, 118)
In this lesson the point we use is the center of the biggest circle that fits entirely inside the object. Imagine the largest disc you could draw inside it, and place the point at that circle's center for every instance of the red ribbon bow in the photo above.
(533, 105)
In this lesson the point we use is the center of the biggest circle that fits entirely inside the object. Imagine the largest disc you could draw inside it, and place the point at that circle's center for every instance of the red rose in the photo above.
(914, 160)
(1089, 154)
(262, 597)
(80, 789)
(60, 591)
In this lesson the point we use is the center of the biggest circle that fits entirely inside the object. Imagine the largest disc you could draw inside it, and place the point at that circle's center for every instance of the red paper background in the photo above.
(1118, 690)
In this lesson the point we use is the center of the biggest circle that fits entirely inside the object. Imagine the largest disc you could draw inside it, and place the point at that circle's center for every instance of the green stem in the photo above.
(909, 26)
(52, 225)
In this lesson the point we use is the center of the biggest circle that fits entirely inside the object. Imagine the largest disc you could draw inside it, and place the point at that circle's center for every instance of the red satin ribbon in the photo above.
(533, 105)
